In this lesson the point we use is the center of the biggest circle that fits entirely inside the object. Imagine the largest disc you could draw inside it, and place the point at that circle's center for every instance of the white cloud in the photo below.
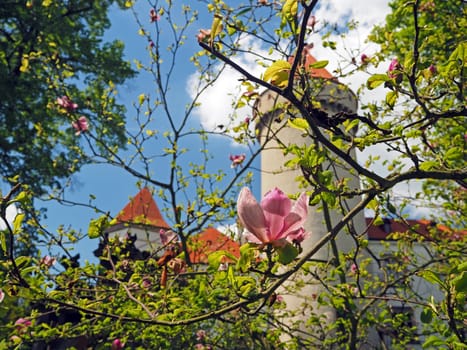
(11, 212)
(216, 102)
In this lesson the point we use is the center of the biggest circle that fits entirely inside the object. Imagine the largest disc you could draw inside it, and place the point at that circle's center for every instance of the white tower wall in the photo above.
(272, 132)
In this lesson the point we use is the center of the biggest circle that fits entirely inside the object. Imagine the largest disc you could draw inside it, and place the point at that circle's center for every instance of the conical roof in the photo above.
(142, 210)
(209, 241)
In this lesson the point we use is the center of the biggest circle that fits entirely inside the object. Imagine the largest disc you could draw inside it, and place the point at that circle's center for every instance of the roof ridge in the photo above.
(142, 209)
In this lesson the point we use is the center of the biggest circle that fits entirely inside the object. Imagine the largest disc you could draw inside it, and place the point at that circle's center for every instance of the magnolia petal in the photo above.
(297, 216)
(275, 224)
(301, 205)
(251, 215)
(277, 203)
(250, 237)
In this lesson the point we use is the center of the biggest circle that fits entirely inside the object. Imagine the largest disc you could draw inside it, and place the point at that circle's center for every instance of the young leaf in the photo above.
(376, 80)
(278, 73)
(287, 254)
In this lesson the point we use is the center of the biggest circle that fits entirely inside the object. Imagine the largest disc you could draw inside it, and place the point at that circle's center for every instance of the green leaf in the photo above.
(247, 254)
(319, 64)
(432, 277)
(17, 222)
(216, 27)
(460, 282)
(432, 341)
(454, 154)
(218, 257)
(97, 226)
(391, 98)
(278, 73)
(376, 80)
(298, 123)
(289, 13)
(426, 315)
(3, 241)
(287, 253)
(429, 165)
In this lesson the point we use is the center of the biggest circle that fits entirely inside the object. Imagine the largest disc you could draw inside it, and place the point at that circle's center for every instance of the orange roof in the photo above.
(142, 209)
(209, 241)
(421, 227)
(314, 72)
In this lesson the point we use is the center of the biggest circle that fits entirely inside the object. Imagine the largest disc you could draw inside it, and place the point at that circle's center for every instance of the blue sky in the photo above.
(112, 186)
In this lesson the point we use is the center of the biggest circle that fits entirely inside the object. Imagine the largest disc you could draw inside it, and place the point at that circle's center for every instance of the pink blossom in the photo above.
(203, 33)
(364, 58)
(154, 16)
(48, 261)
(2, 295)
(394, 66)
(22, 324)
(237, 160)
(353, 268)
(80, 125)
(276, 220)
(247, 120)
(432, 69)
(66, 103)
(167, 236)
(117, 344)
(311, 22)
(200, 335)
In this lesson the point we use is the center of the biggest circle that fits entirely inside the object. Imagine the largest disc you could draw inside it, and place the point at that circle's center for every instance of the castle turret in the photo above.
(331, 97)
(142, 218)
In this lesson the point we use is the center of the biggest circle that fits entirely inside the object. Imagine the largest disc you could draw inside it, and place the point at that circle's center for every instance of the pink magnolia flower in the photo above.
(117, 344)
(22, 324)
(2, 295)
(48, 261)
(394, 66)
(80, 125)
(168, 236)
(237, 160)
(203, 33)
(66, 103)
(153, 16)
(276, 220)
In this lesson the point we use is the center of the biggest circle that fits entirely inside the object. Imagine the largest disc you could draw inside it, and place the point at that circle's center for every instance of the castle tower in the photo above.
(140, 217)
(274, 134)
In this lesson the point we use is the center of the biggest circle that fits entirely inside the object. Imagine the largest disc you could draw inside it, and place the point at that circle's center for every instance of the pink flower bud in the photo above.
(117, 344)
(364, 58)
(237, 160)
(153, 16)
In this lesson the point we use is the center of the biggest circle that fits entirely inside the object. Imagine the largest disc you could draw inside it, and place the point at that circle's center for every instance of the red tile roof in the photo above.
(424, 228)
(209, 241)
(143, 210)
